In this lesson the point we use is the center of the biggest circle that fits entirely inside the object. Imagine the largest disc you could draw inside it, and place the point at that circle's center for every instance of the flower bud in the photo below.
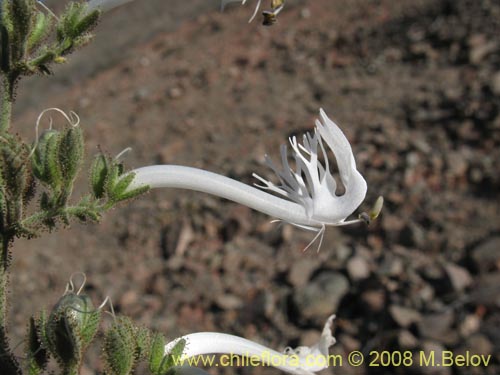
(119, 348)
(40, 162)
(99, 174)
(70, 152)
(71, 326)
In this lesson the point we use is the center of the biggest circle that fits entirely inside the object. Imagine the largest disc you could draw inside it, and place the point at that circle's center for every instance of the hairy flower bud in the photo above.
(98, 175)
(120, 347)
(70, 152)
(43, 160)
(71, 326)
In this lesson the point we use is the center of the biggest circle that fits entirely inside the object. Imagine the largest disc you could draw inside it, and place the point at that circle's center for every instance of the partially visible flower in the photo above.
(269, 15)
(302, 360)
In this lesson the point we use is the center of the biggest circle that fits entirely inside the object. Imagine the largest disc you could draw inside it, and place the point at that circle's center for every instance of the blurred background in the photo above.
(415, 86)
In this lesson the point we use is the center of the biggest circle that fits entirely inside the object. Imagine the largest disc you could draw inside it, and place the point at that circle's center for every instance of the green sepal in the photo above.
(119, 348)
(143, 343)
(38, 157)
(40, 31)
(87, 22)
(68, 21)
(52, 171)
(159, 363)
(70, 153)
(14, 156)
(156, 363)
(119, 191)
(377, 208)
(131, 194)
(98, 175)
(36, 353)
(64, 342)
(16, 178)
(21, 14)
(118, 184)
(74, 26)
(174, 357)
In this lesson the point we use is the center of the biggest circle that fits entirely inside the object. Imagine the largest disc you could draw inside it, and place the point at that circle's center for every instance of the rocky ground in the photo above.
(415, 85)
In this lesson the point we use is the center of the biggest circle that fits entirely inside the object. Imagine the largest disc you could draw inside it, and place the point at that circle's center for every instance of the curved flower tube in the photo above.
(308, 192)
(105, 5)
(302, 360)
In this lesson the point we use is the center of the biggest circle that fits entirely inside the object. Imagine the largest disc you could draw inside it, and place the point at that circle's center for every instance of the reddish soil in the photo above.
(415, 85)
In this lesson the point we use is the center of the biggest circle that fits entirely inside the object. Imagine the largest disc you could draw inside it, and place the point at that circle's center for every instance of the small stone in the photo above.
(459, 277)
(358, 268)
(479, 344)
(228, 301)
(495, 83)
(469, 325)
(404, 316)
(391, 266)
(301, 271)
(432, 348)
(129, 298)
(487, 290)
(480, 49)
(321, 296)
(85, 370)
(486, 256)
(437, 327)
(374, 299)
(175, 93)
(349, 343)
(406, 340)
(170, 151)
(305, 13)
(413, 235)
(392, 223)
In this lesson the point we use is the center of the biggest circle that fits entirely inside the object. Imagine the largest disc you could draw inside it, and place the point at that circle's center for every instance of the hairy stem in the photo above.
(8, 363)
(39, 218)
(7, 100)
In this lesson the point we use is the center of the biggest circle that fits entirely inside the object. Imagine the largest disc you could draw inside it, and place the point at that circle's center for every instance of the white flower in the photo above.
(311, 184)
(299, 361)
(309, 199)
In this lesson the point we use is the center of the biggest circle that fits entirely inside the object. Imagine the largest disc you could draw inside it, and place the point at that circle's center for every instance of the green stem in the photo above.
(7, 100)
(38, 218)
(8, 362)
